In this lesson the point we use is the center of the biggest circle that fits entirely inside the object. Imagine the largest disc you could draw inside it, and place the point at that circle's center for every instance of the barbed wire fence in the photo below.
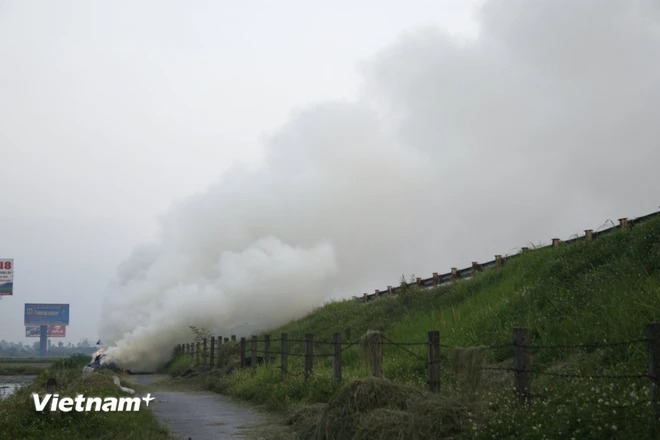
(206, 354)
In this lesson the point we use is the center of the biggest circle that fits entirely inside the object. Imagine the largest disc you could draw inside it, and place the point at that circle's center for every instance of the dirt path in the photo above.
(200, 415)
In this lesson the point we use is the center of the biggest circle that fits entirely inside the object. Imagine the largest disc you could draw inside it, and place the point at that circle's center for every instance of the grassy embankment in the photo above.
(584, 292)
(20, 420)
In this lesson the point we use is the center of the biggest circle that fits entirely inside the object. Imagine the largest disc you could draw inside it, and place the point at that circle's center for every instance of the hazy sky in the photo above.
(280, 153)
(109, 112)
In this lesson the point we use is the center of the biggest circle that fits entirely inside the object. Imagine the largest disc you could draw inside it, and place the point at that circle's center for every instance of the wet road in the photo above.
(202, 415)
(199, 415)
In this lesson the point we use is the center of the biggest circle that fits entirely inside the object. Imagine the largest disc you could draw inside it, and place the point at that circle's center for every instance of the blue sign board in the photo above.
(46, 314)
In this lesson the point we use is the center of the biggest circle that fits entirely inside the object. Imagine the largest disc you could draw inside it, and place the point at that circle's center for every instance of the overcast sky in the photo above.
(155, 151)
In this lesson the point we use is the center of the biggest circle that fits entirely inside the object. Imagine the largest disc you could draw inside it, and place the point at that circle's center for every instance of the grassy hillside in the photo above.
(593, 293)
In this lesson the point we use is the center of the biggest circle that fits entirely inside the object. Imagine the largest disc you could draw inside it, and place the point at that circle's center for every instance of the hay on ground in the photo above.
(376, 408)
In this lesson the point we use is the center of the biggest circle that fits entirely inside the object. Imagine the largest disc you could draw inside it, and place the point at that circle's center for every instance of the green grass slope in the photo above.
(596, 292)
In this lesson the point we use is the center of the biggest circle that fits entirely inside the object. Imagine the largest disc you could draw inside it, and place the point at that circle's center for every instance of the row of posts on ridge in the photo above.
(624, 223)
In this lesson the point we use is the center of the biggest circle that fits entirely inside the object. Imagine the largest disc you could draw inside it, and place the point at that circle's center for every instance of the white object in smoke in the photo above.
(115, 379)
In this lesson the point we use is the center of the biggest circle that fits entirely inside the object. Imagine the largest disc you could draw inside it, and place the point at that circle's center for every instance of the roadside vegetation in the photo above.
(24, 366)
(578, 301)
(20, 420)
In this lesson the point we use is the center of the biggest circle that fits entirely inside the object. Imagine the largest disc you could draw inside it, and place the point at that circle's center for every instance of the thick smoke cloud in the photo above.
(544, 125)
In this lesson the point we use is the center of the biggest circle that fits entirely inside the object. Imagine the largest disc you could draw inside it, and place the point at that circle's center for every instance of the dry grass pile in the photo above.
(304, 420)
(382, 410)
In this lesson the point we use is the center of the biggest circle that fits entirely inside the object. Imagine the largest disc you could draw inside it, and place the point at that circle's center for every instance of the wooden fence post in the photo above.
(499, 261)
(242, 352)
(266, 349)
(226, 339)
(253, 356)
(309, 354)
(434, 361)
(454, 274)
(197, 350)
(212, 357)
(436, 278)
(522, 362)
(204, 352)
(623, 223)
(284, 353)
(653, 336)
(418, 281)
(377, 355)
(588, 234)
(336, 359)
(190, 352)
(476, 267)
(233, 338)
(555, 242)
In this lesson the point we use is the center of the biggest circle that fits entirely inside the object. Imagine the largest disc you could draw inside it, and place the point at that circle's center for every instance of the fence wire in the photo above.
(403, 348)
(592, 345)
(569, 375)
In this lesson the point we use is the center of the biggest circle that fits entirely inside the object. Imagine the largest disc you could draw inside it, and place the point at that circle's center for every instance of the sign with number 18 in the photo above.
(6, 276)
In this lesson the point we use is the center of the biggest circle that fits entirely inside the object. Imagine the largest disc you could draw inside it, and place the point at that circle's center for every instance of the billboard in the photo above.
(57, 331)
(46, 314)
(54, 331)
(6, 276)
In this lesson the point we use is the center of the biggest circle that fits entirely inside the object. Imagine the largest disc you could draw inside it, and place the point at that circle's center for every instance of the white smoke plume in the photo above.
(544, 125)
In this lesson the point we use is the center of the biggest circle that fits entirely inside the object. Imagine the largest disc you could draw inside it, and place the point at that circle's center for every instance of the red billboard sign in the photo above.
(57, 331)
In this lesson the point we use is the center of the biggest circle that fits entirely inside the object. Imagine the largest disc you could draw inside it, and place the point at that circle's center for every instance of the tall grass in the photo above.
(20, 420)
